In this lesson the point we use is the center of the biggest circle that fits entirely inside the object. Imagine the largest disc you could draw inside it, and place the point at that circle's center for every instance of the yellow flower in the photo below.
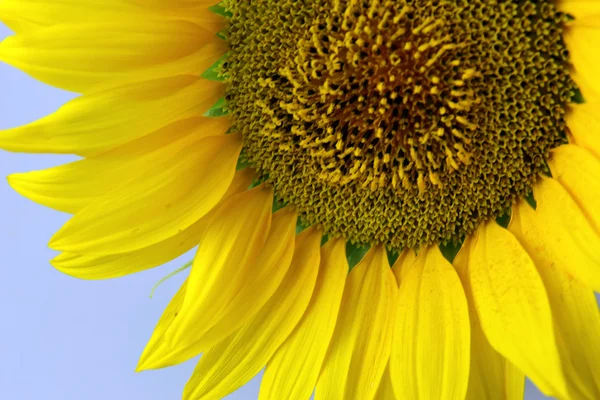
(292, 141)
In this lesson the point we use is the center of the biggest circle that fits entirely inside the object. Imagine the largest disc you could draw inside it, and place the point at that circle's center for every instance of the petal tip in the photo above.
(18, 183)
(149, 361)
(59, 241)
(58, 264)
(141, 365)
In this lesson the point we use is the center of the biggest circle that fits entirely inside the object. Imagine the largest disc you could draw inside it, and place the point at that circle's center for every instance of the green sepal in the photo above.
(450, 250)
(278, 204)
(504, 219)
(220, 9)
(255, 183)
(223, 34)
(172, 274)
(531, 200)
(577, 97)
(300, 226)
(355, 253)
(392, 256)
(242, 162)
(218, 110)
(213, 73)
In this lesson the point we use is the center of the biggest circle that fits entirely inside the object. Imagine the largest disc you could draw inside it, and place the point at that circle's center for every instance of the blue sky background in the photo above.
(62, 338)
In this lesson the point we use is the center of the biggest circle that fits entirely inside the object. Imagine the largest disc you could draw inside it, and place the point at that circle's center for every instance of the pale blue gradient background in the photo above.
(62, 338)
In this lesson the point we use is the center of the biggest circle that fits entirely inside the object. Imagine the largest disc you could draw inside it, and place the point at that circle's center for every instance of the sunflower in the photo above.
(390, 198)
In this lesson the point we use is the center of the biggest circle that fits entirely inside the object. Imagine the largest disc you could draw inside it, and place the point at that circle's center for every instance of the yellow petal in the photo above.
(116, 265)
(27, 15)
(430, 352)
(71, 187)
(360, 347)
(513, 307)
(590, 95)
(226, 254)
(225, 261)
(491, 376)
(219, 319)
(584, 11)
(236, 359)
(563, 230)
(582, 39)
(166, 319)
(83, 57)
(261, 280)
(97, 122)
(583, 121)
(407, 257)
(168, 198)
(175, 4)
(196, 11)
(386, 390)
(574, 307)
(577, 328)
(579, 172)
(293, 371)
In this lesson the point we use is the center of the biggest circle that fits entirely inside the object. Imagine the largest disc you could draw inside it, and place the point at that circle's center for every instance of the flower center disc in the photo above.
(395, 121)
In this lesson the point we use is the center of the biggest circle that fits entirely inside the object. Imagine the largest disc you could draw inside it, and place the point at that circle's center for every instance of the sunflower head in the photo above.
(404, 123)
